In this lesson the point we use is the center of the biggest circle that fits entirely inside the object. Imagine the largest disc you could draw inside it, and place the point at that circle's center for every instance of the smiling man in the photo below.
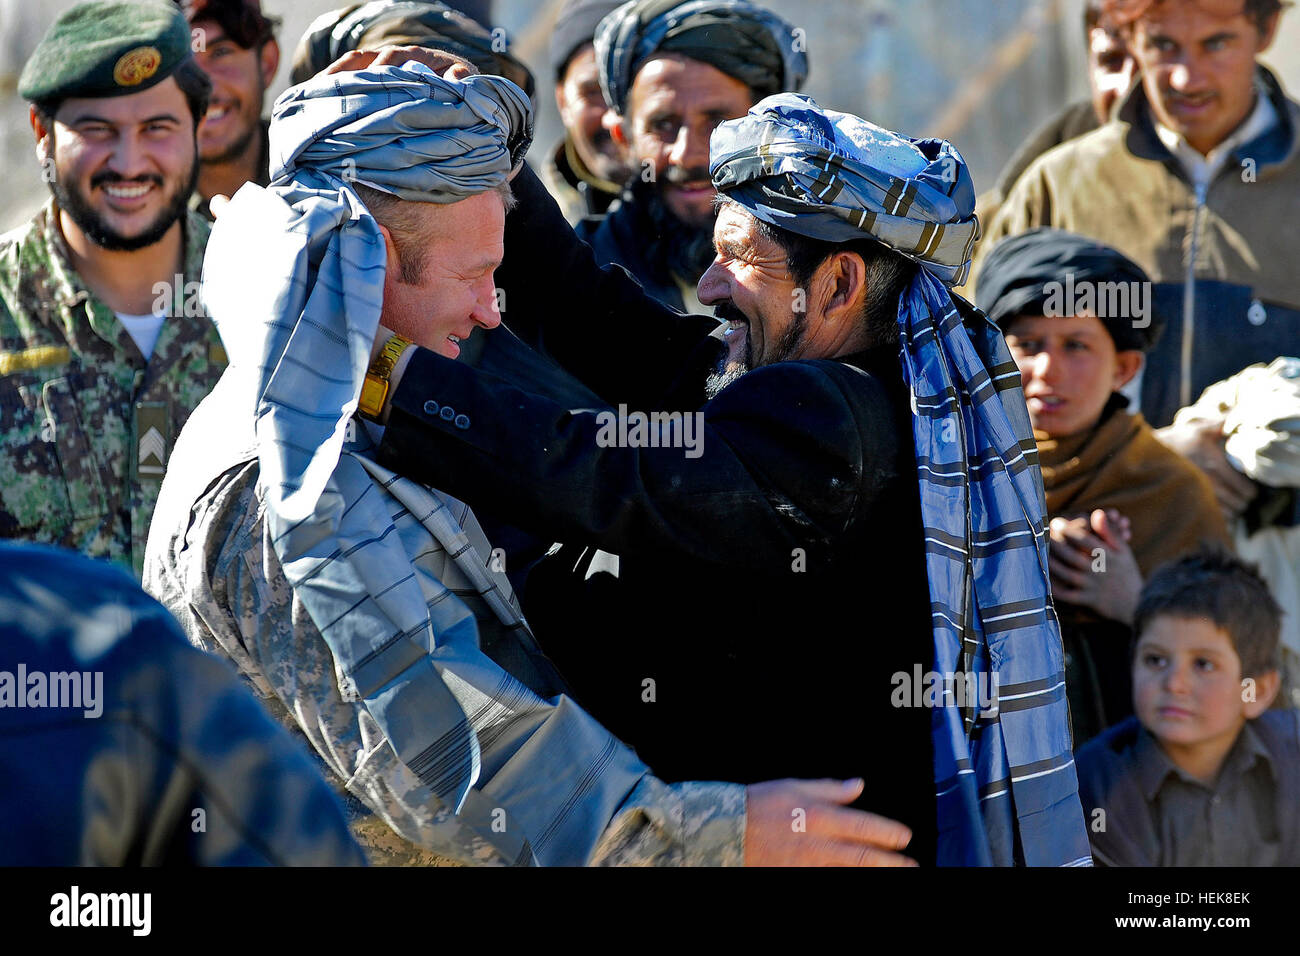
(364, 608)
(587, 169)
(671, 71)
(848, 522)
(235, 46)
(104, 345)
(1198, 182)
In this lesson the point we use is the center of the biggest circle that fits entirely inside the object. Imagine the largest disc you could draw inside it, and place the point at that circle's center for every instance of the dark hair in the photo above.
(1092, 12)
(1219, 587)
(248, 27)
(193, 82)
(1126, 12)
(888, 274)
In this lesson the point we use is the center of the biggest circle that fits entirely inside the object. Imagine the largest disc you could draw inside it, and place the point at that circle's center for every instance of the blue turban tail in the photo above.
(294, 279)
(1004, 773)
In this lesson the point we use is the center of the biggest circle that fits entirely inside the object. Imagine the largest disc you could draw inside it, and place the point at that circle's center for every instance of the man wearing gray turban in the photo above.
(847, 569)
(671, 70)
(369, 611)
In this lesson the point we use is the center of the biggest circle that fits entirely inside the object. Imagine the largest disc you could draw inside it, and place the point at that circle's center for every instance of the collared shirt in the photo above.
(1201, 169)
(86, 421)
(1169, 818)
(212, 565)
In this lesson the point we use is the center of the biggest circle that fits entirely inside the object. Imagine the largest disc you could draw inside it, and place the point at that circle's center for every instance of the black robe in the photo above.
(770, 588)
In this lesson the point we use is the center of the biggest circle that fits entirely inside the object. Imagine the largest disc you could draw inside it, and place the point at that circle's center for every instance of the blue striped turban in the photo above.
(1004, 769)
(735, 36)
(294, 279)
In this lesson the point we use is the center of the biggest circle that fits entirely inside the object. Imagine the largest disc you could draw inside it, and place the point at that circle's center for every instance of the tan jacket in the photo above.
(1120, 185)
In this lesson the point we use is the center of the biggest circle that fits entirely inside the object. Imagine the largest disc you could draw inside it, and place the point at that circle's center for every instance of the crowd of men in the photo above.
(734, 488)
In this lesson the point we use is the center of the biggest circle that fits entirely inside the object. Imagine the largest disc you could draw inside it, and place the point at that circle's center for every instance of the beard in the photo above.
(77, 205)
(728, 370)
(682, 249)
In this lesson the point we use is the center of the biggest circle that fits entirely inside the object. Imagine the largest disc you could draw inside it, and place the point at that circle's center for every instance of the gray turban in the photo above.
(742, 40)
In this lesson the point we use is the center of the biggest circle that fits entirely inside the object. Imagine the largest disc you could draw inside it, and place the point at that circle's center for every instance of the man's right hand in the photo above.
(806, 823)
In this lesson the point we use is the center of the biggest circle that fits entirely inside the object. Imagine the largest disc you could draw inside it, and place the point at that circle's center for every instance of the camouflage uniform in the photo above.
(85, 422)
(212, 564)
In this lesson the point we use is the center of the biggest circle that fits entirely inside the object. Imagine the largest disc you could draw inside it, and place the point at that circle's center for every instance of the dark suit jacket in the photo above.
(770, 587)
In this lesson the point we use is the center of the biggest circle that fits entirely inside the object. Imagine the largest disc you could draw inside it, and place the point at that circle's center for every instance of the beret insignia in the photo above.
(136, 66)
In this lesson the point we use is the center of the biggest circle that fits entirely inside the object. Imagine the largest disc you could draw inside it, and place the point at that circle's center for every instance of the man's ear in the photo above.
(616, 127)
(843, 284)
(42, 134)
(1127, 364)
(1267, 686)
(392, 260)
(269, 61)
(560, 101)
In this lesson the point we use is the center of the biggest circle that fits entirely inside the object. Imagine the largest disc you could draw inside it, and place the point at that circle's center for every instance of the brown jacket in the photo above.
(1121, 186)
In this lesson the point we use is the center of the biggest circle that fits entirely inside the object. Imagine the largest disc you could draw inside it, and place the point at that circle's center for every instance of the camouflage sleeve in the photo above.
(250, 614)
(684, 824)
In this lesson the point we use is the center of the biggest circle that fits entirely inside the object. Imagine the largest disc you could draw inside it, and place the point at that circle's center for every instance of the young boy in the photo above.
(1205, 774)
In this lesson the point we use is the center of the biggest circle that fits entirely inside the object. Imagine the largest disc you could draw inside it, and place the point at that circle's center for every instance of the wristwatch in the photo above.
(374, 390)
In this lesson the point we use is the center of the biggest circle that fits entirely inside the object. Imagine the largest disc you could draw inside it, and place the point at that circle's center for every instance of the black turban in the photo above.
(1052, 272)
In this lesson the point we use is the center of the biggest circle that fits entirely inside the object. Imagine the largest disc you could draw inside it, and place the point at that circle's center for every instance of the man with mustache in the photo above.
(1198, 182)
(105, 347)
(671, 71)
(862, 506)
(240, 55)
(587, 169)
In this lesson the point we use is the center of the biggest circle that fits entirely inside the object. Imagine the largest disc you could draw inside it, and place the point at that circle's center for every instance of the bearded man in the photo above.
(363, 607)
(857, 515)
(105, 347)
(671, 71)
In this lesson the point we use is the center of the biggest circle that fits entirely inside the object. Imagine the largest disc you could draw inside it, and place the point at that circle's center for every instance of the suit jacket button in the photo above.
(447, 413)
(462, 421)
(431, 407)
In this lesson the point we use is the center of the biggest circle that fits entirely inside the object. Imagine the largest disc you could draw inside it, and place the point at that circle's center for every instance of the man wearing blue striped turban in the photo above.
(368, 611)
(846, 573)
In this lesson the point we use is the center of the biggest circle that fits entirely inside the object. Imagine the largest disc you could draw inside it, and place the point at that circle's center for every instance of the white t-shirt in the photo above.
(143, 329)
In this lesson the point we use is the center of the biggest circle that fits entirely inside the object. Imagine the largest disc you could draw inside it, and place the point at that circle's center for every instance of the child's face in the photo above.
(1187, 684)
(1069, 367)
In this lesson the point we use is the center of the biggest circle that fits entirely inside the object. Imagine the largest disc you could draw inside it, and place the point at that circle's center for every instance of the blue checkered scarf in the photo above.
(1004, 775)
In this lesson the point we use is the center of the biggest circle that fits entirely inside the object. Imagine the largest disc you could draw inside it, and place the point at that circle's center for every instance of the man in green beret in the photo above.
(105, 346)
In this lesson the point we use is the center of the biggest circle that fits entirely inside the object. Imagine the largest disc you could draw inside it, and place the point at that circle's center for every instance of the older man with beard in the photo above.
(105, 348)
(846, 572)
(671, 71)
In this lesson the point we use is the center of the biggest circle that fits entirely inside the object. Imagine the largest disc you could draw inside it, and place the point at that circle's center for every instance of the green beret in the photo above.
(107, 48)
